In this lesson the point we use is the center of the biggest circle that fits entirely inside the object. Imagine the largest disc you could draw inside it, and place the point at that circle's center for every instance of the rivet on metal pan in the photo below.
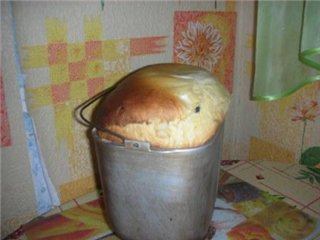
(144, 146)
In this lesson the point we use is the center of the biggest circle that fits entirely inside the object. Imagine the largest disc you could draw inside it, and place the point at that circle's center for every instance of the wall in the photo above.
(70, 51)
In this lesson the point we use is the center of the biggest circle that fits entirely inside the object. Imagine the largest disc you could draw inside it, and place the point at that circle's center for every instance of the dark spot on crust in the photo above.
(197, 109)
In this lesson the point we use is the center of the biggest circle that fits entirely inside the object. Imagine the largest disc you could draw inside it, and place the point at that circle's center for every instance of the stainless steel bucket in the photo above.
(154, 194)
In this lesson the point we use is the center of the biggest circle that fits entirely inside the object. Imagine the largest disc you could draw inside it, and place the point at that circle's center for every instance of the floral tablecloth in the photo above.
(242, 212)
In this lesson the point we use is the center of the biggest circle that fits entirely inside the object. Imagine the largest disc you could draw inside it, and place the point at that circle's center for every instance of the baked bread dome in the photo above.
(168, 105)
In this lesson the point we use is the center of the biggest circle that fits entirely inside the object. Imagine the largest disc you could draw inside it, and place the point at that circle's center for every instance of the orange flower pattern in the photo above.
(249, 231)
(201, 45)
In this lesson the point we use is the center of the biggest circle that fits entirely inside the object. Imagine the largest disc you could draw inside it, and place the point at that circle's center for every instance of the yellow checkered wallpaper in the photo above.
(78, 71)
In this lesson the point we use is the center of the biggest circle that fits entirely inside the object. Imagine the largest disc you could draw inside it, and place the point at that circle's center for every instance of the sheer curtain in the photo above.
(287, 47)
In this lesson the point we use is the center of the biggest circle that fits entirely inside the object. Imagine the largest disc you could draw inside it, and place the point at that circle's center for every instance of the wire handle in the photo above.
(80, 116)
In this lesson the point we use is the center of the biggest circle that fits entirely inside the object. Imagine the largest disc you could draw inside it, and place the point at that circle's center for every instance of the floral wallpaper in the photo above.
(201, 45)
(288, 131)
(306, 112)
(206, 39)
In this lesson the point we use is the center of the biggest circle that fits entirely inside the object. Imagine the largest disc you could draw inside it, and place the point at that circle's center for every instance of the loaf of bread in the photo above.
(168, 105)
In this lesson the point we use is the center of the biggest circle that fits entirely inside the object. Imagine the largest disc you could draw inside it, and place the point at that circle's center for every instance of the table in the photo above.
(262, 209)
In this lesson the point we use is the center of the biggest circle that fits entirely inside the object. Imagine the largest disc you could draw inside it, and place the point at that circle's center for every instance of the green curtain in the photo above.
(287, 47)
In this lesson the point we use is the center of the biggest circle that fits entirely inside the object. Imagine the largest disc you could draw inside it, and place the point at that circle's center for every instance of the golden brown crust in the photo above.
(167, 105)
(137, 100)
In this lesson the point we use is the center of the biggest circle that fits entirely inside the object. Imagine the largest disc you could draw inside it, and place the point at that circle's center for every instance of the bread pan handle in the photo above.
(80, 116)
